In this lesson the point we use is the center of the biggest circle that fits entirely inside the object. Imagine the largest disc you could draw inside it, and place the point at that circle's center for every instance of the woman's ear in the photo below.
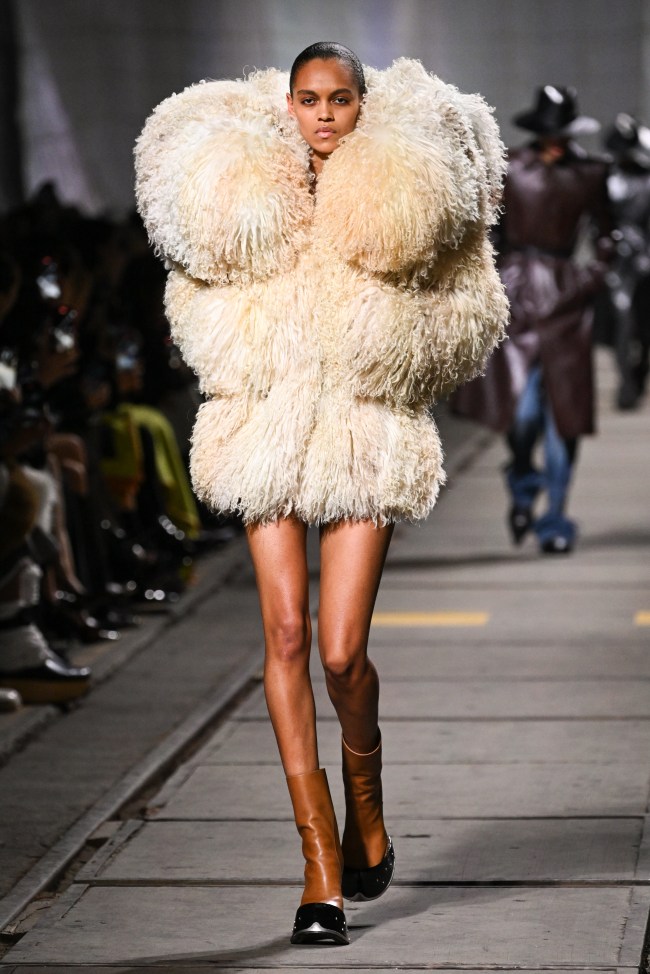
(290, 105)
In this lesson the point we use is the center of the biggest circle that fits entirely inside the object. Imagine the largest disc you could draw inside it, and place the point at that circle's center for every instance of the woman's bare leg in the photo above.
(352, 559)
(280, 561)
(279, 558)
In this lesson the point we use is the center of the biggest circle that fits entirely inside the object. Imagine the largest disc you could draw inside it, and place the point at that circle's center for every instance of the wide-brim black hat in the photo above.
(556, 113)
(628, 139)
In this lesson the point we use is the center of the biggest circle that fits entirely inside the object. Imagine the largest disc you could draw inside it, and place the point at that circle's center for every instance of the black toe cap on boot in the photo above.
(371, 883)
(318, 923)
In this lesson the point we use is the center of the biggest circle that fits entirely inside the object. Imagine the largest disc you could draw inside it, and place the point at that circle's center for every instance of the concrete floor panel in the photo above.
(429, 655)
(519, 568)
(497, 698)
(428, 851)
(249, 926)
(560, 615)
(258, 792)
(449, 742)
(201, 969)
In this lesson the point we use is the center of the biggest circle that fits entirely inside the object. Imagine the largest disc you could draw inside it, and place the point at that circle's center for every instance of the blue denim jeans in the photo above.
(534, 421)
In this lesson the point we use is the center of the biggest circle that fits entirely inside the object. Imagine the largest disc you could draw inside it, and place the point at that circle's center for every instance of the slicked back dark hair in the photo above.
(329, 51)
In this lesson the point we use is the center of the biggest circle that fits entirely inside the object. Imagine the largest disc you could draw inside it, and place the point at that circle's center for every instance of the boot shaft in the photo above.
(316, 822)
(364, 837)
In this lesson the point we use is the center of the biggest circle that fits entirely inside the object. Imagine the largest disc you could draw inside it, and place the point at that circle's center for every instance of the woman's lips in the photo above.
(324, 133)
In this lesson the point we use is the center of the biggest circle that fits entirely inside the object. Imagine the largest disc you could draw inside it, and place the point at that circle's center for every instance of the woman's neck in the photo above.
(316, 163)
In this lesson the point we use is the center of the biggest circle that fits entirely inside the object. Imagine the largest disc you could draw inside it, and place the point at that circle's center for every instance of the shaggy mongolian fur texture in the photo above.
(322, 326)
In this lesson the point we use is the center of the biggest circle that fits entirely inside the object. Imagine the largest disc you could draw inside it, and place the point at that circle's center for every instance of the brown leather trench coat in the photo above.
(551, 296)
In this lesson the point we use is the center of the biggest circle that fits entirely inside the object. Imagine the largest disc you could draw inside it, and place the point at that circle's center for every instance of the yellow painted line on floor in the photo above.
(407, 619)
(642, 619)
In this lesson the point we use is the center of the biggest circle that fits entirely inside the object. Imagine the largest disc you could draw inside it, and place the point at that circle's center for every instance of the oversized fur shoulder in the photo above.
(223, 184)
(222, 179)
(424, 165)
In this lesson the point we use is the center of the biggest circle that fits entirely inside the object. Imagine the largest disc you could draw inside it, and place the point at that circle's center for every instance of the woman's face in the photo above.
(325, 102)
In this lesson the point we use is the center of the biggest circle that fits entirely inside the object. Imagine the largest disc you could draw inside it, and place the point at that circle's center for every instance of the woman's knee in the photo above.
(344, 665)
(288, 639)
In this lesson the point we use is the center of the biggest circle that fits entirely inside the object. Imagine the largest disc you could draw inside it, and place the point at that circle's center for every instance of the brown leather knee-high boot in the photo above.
(368, 855)
(320, 916)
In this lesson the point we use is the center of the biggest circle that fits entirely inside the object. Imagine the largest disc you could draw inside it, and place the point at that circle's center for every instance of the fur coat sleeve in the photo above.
(399, 218)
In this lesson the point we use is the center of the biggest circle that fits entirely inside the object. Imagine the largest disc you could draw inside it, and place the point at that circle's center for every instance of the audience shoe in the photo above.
(9, 700)
(53, 680)
(67, 617)
(557, 545)
(520, 520)
(116, 617)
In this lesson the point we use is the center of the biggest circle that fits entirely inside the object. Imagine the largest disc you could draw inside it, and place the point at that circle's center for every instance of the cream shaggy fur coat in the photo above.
(322, 325)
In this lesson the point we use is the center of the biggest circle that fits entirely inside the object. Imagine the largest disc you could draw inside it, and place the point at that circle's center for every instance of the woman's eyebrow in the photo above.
(339, 91)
